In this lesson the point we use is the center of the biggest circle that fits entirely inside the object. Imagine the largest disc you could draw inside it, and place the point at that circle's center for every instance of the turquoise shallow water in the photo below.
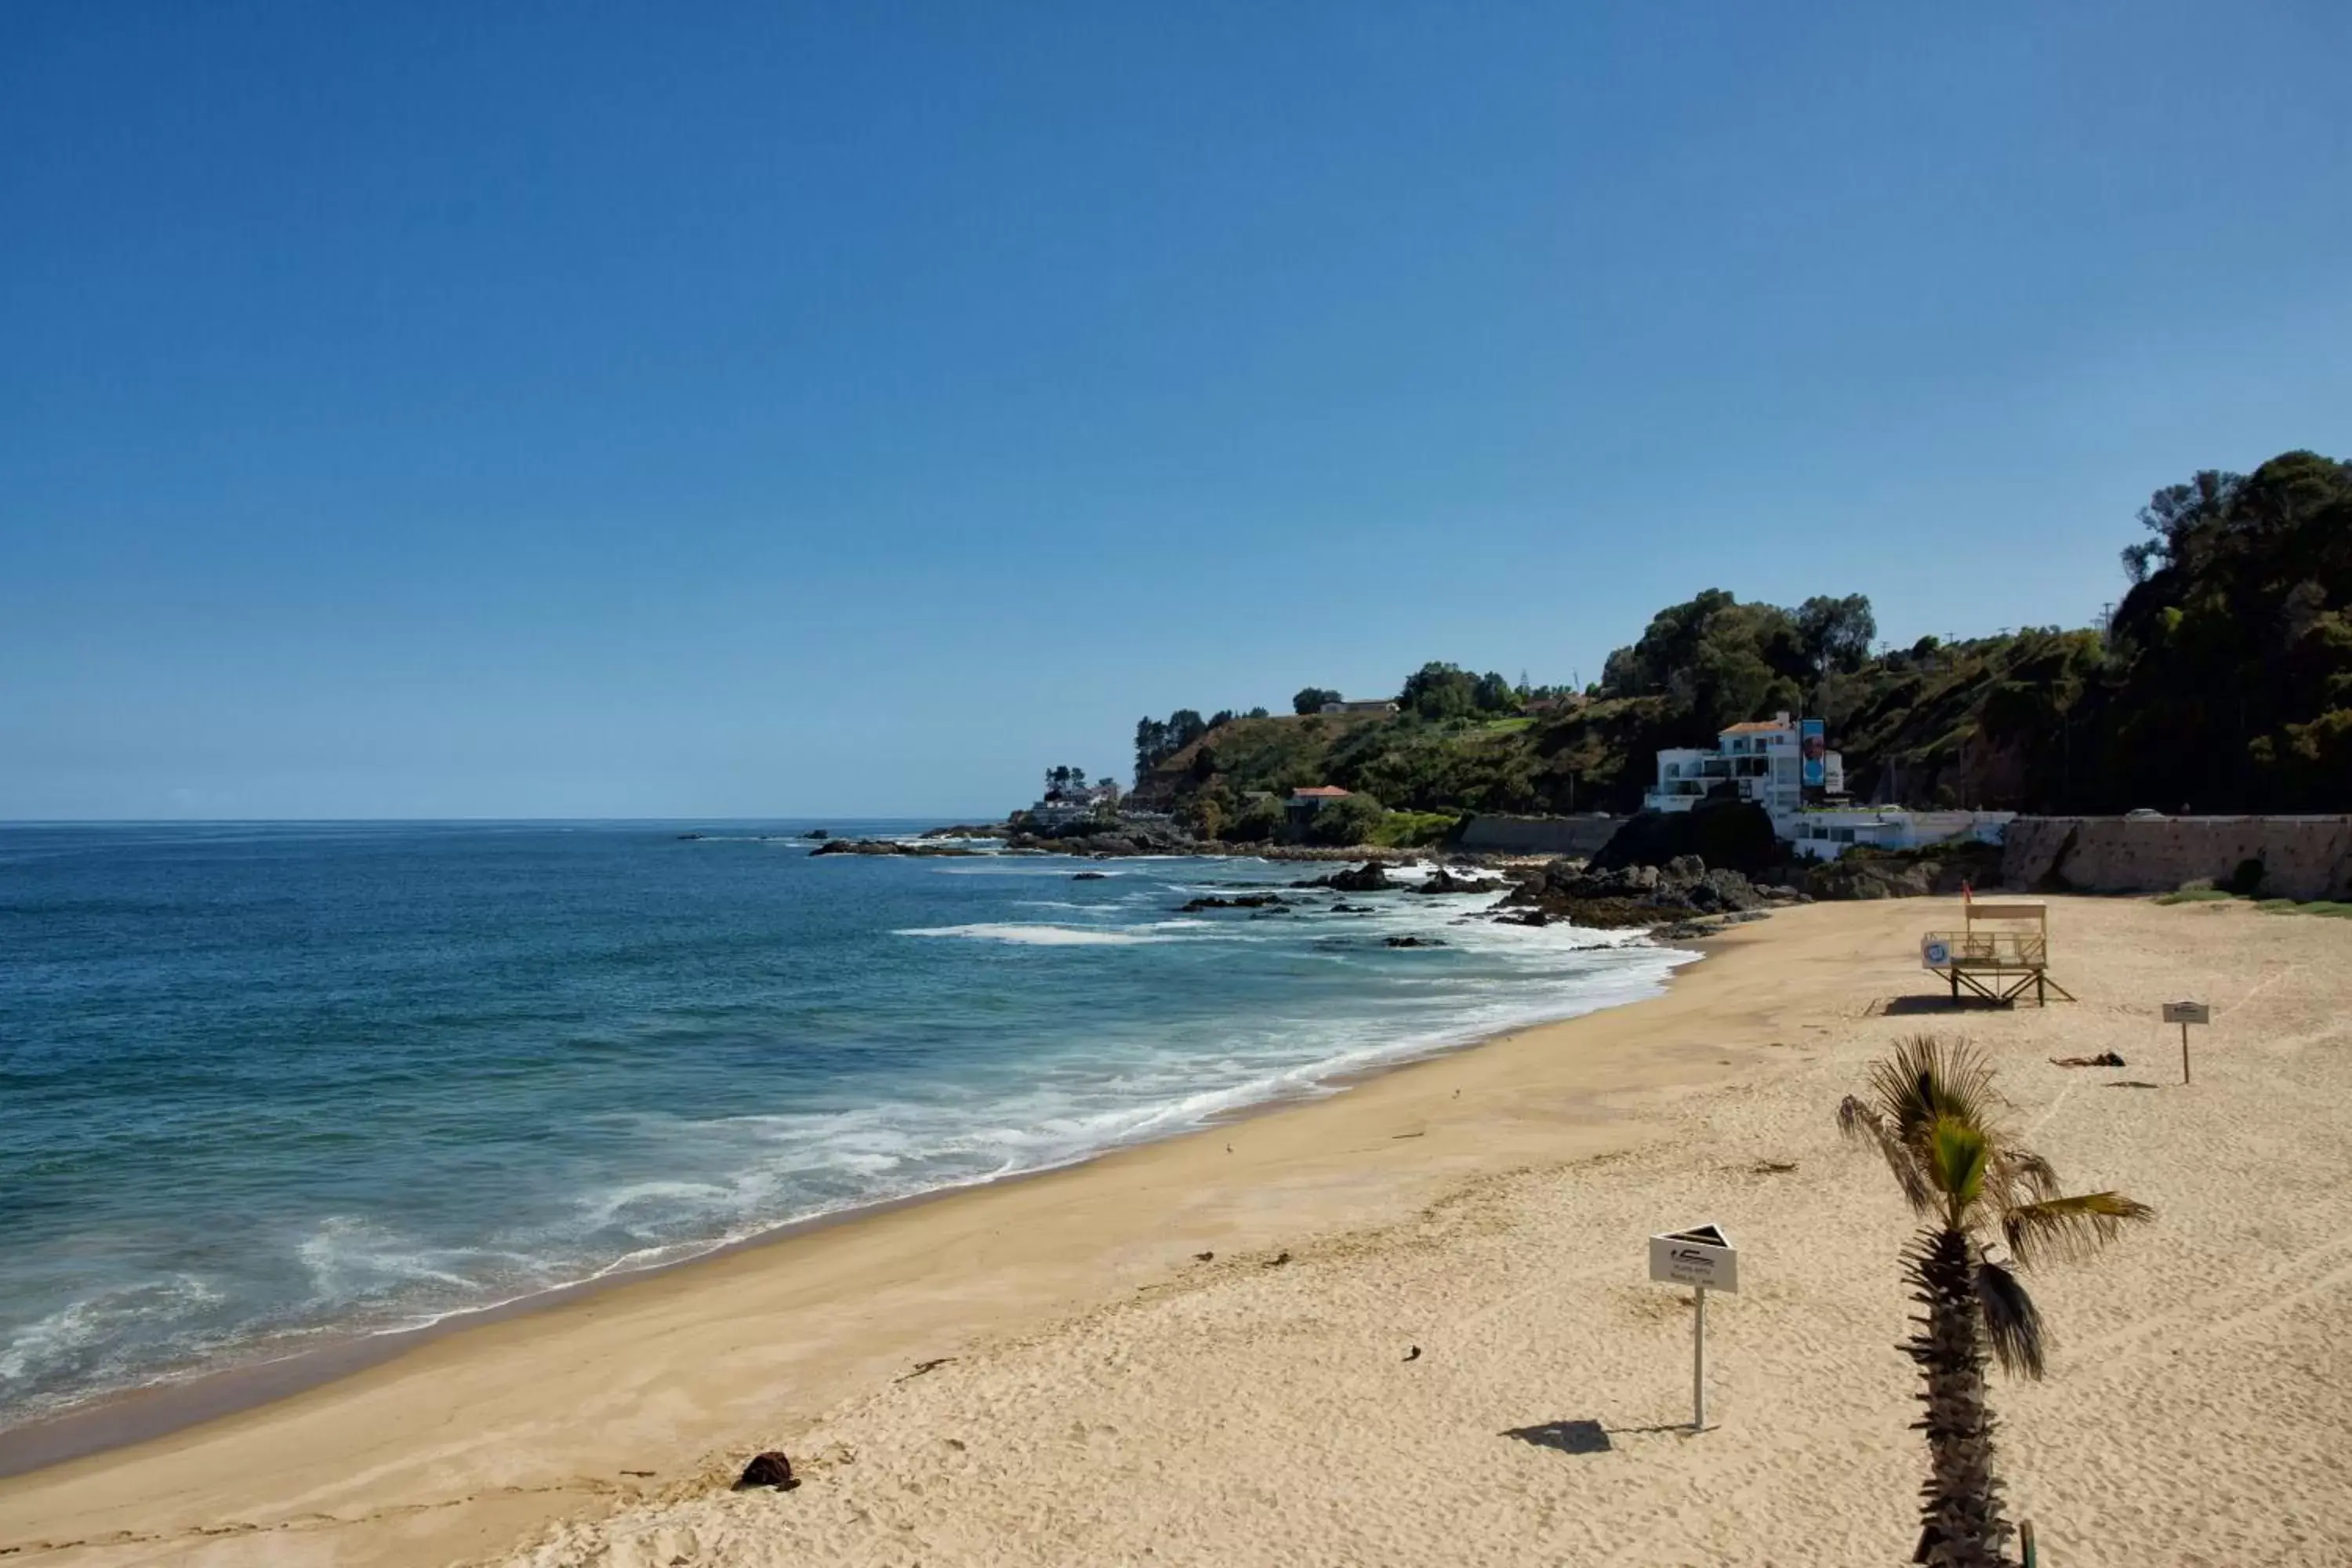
(265, 1084)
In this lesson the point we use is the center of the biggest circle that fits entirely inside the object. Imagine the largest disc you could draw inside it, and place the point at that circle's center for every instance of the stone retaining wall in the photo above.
(1539, 834)
(2301, 857)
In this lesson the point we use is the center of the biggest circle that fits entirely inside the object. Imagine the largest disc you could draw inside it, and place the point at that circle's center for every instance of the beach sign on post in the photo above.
(2185, 1013)
(1703, 1258)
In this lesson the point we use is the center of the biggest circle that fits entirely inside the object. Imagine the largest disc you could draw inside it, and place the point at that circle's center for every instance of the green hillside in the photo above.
(2224, 683)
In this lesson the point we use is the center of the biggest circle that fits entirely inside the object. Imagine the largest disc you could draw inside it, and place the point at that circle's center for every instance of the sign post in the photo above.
(1703, 1258)
(2185, 1013)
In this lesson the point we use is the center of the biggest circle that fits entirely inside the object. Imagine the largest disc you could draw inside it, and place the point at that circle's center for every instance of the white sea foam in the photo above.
(1034, 935)
(86, 1326)
(350, 1258)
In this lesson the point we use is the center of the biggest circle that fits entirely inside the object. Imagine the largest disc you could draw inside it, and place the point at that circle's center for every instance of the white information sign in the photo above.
(1702, 1256)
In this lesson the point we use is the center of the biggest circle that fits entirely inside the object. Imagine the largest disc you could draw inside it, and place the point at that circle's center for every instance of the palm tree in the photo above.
(1931, 1111)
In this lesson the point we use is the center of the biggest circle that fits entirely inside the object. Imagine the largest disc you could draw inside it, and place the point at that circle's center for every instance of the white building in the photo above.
(1064, 804)
(1764, 762)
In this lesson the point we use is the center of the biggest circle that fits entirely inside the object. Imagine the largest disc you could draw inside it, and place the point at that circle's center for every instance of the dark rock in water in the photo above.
(1444, 881)
(1090, 877)
(817, 833)
(1523, 918)
(1368, 877)
(1104, 838)
(1415, 942)
(768, 1470)
(1245, 901)
(689, 837)
(886, 846)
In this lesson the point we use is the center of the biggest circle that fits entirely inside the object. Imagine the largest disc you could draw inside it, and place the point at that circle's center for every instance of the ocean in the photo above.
(265, 1086)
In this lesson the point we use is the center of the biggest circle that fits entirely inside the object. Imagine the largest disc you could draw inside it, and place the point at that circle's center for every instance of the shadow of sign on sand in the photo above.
(1582, 1437)
(1568, 1437)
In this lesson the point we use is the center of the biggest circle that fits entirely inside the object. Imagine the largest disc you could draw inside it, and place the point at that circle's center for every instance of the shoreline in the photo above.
(127, 1417)
(930, 1276)
(1411, 1323)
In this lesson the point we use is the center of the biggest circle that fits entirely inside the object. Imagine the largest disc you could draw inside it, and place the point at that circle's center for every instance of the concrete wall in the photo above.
(2303, 857)
(1539, 834)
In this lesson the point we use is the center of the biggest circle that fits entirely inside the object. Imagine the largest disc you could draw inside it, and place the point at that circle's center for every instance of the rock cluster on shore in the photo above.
(1369, 878)
(1659, 896)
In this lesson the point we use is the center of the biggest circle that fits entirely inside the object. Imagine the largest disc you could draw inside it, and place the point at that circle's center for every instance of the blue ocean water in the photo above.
(262, 1084)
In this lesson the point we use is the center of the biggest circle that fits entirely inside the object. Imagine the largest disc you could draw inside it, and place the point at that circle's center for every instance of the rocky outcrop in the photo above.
(1125, 838)
(889, 847)
(1734, 835)
(1368, 877)
(1245, 901)
(1413, 941)
(1443, 880)
(1939, 870)
(1626, 895)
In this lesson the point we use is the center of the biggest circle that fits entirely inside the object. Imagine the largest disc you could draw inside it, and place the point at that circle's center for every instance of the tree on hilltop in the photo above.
(1311, 699)
(1836, 634)
(1438, 691)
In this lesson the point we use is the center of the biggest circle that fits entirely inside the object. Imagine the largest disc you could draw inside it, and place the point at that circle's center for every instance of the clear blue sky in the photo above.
(765, 409)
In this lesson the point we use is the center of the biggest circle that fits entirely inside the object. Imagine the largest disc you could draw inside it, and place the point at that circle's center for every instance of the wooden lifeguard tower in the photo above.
(2000, 952)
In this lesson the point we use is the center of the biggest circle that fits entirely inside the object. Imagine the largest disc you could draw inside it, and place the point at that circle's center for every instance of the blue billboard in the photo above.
(1813, 745)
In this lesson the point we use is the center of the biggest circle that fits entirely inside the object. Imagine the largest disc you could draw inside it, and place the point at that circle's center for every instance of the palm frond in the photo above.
(1929, 1076)
(2012, 1323)
(2069, 1228)
(2019, 1176)
(1858, 1123)
(1958, 1153)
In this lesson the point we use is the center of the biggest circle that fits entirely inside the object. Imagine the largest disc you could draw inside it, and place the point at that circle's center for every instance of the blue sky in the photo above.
(775, 409)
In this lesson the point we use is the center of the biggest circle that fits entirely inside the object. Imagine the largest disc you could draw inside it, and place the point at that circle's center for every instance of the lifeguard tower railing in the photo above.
(2000, 952)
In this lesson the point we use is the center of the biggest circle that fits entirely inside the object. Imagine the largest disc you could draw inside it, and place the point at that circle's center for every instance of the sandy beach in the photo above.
(1045, 1372)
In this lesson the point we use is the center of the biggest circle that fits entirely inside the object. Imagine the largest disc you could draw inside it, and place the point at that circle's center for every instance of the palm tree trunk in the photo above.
(1960, 1510)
